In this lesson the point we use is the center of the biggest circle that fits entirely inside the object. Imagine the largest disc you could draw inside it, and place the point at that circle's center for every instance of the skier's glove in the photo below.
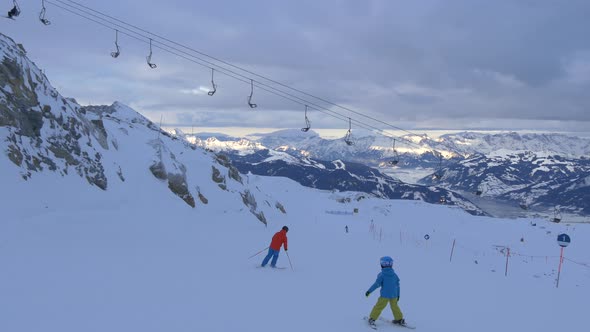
(367, 294)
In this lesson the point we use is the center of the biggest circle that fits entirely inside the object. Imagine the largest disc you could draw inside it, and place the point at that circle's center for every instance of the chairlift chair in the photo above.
(252, 105)
(395, 159)
(212, 92)
(307, 122)
(42, 14)
(438, 173)
(149, 57)
(556, 216)
(118, 51)
(15, 11)
(348, 137)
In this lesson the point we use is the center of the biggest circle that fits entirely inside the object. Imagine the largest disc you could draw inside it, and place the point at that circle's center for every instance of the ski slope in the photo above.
(75, 258)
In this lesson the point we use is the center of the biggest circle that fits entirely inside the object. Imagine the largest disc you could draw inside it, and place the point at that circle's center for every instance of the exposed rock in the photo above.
(280, 207)
(159, 170)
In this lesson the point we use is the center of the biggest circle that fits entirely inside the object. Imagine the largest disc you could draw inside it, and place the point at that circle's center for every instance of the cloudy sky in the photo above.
(430, 64)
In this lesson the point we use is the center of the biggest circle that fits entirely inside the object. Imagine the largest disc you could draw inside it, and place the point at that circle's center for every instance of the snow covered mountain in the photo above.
(376, 150)
(525, 179)
(518, 169)
(338, 175)
(107, 146)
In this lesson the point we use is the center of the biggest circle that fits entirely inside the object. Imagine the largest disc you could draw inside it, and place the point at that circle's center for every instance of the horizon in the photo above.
(331, 133)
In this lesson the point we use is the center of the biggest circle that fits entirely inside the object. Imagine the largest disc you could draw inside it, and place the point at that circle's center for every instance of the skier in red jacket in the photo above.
(278, 240)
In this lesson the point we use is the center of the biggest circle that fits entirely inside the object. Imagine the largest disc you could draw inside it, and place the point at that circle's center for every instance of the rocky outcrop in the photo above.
(46, 131)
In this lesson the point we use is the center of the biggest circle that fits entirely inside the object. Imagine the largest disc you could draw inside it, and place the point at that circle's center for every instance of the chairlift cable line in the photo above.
(207, 64)
(335, 114)
(233, 74)
(243, 69)
(258, 83)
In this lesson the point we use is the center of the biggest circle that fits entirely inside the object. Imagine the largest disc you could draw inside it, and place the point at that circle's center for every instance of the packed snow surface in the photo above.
(75, 258)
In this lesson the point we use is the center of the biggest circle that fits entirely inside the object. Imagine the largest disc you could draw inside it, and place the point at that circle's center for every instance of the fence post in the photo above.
(507, 255)
(559, 269)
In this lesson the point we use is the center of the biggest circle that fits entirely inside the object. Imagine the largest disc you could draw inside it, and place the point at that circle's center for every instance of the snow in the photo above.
(76, 258)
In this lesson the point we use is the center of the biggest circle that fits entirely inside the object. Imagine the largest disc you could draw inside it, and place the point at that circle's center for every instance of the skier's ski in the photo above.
(411, 327)
(371, 325)
(272, 268)
(374, 327)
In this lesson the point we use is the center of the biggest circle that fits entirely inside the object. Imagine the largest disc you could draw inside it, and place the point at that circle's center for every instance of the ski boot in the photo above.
(401, 322)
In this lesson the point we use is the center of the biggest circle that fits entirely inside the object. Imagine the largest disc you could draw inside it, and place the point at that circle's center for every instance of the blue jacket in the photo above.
(389, 283)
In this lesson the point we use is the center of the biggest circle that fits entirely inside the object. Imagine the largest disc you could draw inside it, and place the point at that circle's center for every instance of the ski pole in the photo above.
(258, 253)
(289, 258)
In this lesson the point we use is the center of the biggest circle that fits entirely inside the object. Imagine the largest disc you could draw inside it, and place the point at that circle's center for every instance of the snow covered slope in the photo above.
(76, 258)
(106, 146)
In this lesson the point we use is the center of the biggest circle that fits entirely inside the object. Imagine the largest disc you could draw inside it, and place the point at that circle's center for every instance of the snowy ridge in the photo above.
(378, 148)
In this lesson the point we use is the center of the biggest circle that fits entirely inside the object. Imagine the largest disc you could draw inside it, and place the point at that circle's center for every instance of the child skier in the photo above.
(389, 283)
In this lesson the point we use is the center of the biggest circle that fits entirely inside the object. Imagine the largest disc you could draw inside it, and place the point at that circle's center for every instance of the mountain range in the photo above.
(536, 173)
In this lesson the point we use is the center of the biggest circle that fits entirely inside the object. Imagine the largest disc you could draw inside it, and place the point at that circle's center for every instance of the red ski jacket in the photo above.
(278, 239)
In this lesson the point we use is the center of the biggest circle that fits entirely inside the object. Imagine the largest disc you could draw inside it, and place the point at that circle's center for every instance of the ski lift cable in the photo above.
(328, 112)
(165, 47)
(227, 72)
(378, 130)
(244, 70)
(279, 93)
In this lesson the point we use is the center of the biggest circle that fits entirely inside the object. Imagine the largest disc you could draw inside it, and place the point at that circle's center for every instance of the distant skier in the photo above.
(278, 240)
(346, 228)
(390, 292)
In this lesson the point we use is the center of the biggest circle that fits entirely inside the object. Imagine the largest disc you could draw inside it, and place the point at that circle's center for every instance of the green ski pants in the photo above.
(382, 303)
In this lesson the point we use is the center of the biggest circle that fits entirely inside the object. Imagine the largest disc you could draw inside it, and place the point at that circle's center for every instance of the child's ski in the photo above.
(411, 327)
(374, 327)
(371, 324)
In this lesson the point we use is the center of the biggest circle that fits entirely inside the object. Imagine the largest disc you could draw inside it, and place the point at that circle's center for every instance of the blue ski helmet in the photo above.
(386, 261)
